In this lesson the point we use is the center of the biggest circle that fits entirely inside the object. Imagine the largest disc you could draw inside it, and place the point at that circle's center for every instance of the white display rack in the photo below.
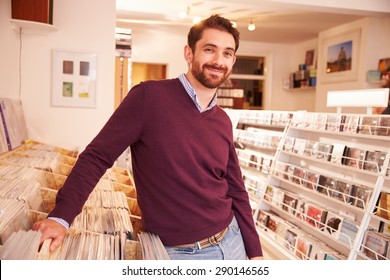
(304, 166)
(377, 97)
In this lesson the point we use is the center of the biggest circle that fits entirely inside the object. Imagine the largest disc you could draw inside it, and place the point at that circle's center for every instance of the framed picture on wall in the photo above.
(74, 79)
(311, 59)
(340, 57)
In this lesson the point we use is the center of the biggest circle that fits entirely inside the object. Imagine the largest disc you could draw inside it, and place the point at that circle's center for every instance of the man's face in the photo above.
(213, 58)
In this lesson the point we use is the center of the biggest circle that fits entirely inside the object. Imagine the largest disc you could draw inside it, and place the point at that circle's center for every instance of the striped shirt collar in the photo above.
(192, 93)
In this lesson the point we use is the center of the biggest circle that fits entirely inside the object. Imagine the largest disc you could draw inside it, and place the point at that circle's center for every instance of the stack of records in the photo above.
(21, 245)
(152, 247)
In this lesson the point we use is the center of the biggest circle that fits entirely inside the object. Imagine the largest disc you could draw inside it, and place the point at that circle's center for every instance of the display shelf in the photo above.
(300, 89)
(33, 27)
(365, 175)
(257, 135)
(247, 77)
(318, 173)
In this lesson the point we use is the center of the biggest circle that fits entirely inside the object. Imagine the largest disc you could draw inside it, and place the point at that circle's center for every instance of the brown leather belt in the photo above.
(207, 242)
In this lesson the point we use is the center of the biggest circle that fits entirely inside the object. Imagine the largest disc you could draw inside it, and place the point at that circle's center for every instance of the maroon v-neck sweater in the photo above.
(186, 172)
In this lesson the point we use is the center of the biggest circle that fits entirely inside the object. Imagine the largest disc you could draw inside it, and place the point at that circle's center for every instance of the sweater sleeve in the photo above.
(122, 129)
(241, 206)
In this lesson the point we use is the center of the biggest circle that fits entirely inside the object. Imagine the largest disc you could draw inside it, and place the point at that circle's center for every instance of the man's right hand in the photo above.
(51, 230)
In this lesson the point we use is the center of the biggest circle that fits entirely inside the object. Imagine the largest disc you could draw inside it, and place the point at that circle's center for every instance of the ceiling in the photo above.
(276, 21)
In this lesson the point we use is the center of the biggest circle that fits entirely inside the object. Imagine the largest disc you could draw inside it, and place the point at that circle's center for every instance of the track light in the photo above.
(183, 14)
(195, 20)
(251, 26)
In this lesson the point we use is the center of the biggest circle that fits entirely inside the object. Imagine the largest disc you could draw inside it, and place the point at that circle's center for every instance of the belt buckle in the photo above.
(197, 245)
(213, 240)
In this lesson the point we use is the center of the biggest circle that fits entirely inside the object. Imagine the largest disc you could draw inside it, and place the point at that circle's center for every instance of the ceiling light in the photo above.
(234, 24)
(184, 14)
(251, 26)
(195, 20)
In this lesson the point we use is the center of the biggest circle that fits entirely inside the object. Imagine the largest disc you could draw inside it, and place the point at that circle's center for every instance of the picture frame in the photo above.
(384, 65)
(340, 55)
(74, 79)
(311, 58)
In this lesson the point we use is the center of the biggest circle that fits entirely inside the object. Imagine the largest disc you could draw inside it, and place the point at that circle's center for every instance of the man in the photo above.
(189, 184)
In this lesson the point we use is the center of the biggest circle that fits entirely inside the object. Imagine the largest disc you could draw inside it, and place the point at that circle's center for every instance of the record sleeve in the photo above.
(291, 240)
(281, 230)
(351, 124)
(309, 120)
(303, 247)
(298, 175)
(263, 218)
(375, 245)
(338, 153)
(266, 167)
(310, 148)
(384, 126)
(273, 223)
(326, 185)
(384, 228)
(299, 146)
(360, 196)
(320, 121)
(269, 192)
(324, 151)
(301, 210)
(333, 123)
(311, 180)
(369, 125)
(348, 232)
(289, 144)
(333, 224)
(281, 170)
(342, 191)
(355, 157)
(319, 251)
(374, 161)
(383, 206)
(277, 198)
(289, 203)
(316, 216)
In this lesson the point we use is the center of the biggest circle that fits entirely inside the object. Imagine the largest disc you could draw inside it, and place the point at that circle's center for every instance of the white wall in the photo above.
(153, 44)
(166, 45)
(85, 26)
(374, 44)
(283, 59)
(82, 26)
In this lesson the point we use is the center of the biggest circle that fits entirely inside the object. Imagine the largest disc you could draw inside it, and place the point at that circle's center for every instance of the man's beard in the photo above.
(211, 80)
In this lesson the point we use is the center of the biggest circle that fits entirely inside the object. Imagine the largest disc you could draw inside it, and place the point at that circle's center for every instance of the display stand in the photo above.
(378, 97)
(313, 169)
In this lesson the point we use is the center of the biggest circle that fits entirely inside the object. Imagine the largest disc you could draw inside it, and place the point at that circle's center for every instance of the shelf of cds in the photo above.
(325, 192)
(107, 227)
(257, 135)
(31, 173)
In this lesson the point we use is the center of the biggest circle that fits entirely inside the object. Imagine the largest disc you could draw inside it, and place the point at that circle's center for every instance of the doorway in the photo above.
(129, 73)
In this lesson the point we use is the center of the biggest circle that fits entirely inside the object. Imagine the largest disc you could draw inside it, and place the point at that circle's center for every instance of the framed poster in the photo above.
(74, 79)
(311, 59)
(340, 57)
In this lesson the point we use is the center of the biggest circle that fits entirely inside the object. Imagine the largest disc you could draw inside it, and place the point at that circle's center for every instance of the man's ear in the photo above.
(188, 55)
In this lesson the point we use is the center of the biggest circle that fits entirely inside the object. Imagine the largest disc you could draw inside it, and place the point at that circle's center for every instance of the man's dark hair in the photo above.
(213, 22)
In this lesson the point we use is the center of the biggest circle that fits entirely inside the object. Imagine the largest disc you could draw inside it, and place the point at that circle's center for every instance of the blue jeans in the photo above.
(230, 248)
